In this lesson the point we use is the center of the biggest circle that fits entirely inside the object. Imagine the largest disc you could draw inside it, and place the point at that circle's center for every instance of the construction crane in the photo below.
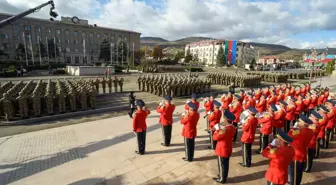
(10, 20)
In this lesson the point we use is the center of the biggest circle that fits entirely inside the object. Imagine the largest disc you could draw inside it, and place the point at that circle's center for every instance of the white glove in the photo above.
(216, 126)
(183, 114)
(160, 103)
(188, 101)
(267, 98)
(273, 142)
(296, 125)
(209, 112)
(230, 105)
(257, 101)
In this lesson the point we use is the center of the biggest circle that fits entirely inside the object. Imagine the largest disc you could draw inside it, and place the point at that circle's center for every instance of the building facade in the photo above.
(268, 60)
(234, 51)
(76, 40)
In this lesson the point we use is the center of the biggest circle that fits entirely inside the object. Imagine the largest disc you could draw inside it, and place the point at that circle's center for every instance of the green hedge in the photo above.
(194, 69)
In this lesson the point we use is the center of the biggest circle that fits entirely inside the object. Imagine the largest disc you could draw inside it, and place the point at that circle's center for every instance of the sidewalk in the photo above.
(102, 153)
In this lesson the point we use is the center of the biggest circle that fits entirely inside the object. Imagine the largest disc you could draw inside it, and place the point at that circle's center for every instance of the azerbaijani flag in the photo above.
(230, 51)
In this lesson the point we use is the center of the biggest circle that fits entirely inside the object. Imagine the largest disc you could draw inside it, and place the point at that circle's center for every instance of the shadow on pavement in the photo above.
(246, 178)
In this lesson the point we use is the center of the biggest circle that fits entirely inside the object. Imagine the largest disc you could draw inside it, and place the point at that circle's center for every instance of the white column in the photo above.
(24, 42)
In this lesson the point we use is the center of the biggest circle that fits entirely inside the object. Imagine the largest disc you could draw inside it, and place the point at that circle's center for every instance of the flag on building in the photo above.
(230, 52)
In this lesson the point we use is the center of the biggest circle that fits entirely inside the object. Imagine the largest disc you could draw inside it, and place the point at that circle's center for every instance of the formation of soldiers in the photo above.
(22, 101)
(295, 124)
(274, 77)
(105, 83)
(173, 85)
(238, 80)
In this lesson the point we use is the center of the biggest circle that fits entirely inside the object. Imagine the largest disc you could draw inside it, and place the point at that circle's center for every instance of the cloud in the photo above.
(259, 21)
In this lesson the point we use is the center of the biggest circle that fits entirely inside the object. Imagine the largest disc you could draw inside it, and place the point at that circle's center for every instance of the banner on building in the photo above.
(230, 51)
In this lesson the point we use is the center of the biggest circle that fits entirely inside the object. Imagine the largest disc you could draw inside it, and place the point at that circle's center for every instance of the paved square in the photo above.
(102, 153)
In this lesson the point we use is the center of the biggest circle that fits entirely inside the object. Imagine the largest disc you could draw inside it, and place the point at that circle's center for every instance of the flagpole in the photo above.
(55, 49)
(47, 50)
(133, 55)
(39, 47)
(31, 49)
(24, 42)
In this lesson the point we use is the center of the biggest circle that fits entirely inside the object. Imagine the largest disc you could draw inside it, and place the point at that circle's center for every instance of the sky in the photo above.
(300, 24)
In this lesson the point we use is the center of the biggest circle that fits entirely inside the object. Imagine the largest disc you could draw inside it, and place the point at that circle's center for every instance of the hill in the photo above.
(283, 52)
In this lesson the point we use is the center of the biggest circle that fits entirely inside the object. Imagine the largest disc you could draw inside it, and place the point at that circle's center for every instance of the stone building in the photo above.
(237, 52)
(77, 41)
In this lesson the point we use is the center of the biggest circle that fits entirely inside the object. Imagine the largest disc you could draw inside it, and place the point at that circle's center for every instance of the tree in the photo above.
(179, 55)
(330, 67)
(188, 56)
(220, 57)
(20, 52)
(43, 50)
(157, 53)
(105, 51)
(51, 49)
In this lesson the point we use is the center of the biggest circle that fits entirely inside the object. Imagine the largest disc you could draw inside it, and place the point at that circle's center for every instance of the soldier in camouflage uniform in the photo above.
(61, 101)
(115, 84)
(36, 103)
(83, 99)
(8, 107)
(92, 97)
(72, 99)
(109, 84)
(96, 83)
(103, 82)
(23, 105)
(121, 83)
(49, 97)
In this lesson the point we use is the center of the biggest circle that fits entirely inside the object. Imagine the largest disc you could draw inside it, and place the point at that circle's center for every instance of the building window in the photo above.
(4, 36)
(236, 55)
(75, 41)
(125, 38)
(38, 29)
(83, 35)
(48, 30)
(67, 49)
(58, 32)
(105, 36)
(16, 27)
(76, 50)
(112, 37)
(91, 35)
(5, 45)
(38, 38)
(27, 28)
(75, 33)
(59, 40)
(67, 32)
(67, 41)
(98, 35)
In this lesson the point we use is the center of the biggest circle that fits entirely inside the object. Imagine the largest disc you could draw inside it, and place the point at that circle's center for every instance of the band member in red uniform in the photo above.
(258, 94)
(298, 105)
(278, 89)
(226, 100)
(321, 138)
(279, 118)
(267, 91)
(313, 145)
(140, 126)
(236, 108)
(290, 114)
(250, 102)
(331, 118)
(242, 95)
(261, 104)
(249, 128)
(271, 99)
(326, 94)
(303, 91)
(281, 155)
(189, 121)
(193, 100)
(320, 99)
(313, 101)
(302, 136)
(224, 135)
(281, 96)
(214, 118)
(307, 87)
(297, 92)
(287, 94)
(209, 106)
(291, 91)
(166, 110)
(266, 123)
(306, 103)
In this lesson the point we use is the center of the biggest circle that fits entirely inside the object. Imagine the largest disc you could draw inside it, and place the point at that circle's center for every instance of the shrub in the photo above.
(59, 72)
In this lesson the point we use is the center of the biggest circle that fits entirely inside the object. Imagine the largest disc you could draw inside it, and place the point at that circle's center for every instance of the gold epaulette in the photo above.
(273, 150)
(296, 132)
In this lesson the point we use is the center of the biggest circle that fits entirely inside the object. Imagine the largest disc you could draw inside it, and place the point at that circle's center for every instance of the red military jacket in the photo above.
(224, 141)
(242, 97)
(290, 112)
(226, 102)
(326, 95)
(320, 99)
(297, 93)
(266, 123)
(266, 93)
(303, 91)
(139, 120)
(250, 102)
(292, 92)
(306, 103)
(331, 118)
(236, 109)
(249, 128)
(280, 158)
(209, 106)
(261, 106)
(215, 118)
(301, 140)
(323, 123)
(186, 107)
(279, 118)
(257, 95)
(307, 88)
(313, 102)
(280, 97)
(271, 100)
(190, 123)
(316, 130)
(166, 114)
(298, 107)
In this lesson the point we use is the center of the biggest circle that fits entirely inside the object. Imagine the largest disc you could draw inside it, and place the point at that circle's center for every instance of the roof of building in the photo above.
(59, 22)
(208, 42)
(269, 57)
